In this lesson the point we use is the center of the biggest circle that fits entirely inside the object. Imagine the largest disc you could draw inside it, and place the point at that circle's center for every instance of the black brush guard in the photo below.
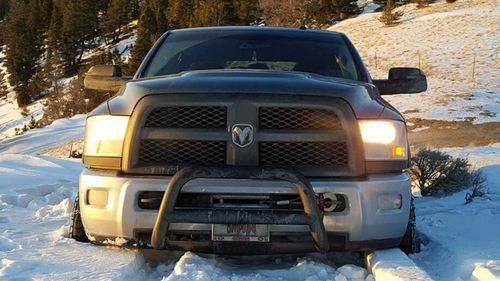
(311, 215)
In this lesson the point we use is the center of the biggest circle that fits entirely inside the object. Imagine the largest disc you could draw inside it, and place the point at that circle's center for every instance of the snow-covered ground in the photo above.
(444, 40)
(36, 200)
(10, 113)
(36, 194)
(463, 237)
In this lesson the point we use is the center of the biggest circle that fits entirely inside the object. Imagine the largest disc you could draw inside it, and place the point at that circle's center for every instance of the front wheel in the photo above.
(411, 243)
(76, 230)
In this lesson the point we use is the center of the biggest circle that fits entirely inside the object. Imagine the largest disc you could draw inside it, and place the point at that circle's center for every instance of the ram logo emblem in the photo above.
(242, 134)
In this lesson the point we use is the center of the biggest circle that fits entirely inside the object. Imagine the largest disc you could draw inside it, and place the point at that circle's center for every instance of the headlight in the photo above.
(104, 135)
(384, 139)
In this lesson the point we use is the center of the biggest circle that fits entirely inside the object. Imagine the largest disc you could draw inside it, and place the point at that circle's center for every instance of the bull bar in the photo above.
(311, 215)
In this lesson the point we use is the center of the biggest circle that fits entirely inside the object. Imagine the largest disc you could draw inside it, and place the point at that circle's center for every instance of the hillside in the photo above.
(443, 40)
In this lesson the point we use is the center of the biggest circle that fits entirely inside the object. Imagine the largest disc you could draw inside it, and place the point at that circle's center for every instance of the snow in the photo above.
(394, 265)
(56, 134)
(444, 40)
(10, 113)
(487, 272)
(463, 238)
(36, 201)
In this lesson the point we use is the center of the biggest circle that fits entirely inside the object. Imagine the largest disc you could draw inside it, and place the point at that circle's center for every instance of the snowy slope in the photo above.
(444, 40)
(10, 113)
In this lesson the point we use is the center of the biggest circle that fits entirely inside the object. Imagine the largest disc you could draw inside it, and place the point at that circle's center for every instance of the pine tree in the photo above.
(4, 8)
(46, 13)
(389, 17)
(181, 13)
(3, 85)
(79, 28)
(152, 24)
(117, 16)
(54, 33)
(23, 50)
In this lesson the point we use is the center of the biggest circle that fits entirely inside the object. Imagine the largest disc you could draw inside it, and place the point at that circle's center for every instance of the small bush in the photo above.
(438, 173)
(477, 187)
(76, 154)
(451, 1)
(422, 3)
(389, 16)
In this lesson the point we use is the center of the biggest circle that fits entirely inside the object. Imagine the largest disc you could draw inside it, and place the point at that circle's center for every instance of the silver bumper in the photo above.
(118, 215)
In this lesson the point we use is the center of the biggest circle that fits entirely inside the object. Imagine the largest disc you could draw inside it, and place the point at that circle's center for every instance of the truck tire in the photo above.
(411, 243)
(76, 230)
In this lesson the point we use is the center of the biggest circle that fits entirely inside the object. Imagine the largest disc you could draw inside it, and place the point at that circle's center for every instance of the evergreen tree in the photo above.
(3, 85)
(79, 28)
(4, 8)
(181, 13)
(152, 24)
(46, 13)
(54, 33)
(23, 50)
(389, 17)
(117, 16)
(36, 23)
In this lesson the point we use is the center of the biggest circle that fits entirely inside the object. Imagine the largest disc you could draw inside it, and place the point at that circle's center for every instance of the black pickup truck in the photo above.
(248, 140)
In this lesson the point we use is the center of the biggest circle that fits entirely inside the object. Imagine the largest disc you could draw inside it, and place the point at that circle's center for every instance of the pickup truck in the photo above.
(248, 141)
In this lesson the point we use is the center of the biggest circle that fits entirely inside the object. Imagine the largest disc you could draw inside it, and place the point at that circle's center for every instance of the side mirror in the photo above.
(402, 80)
(105, 78)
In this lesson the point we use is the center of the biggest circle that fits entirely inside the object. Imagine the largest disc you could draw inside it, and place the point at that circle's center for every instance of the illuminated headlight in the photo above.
(384, 139)
(104, 136)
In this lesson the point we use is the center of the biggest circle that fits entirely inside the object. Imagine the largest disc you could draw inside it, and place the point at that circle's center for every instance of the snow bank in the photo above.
(194, 267)
(394, 265)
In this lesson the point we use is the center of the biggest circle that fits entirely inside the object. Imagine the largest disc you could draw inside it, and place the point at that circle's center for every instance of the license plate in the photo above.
(240, 232)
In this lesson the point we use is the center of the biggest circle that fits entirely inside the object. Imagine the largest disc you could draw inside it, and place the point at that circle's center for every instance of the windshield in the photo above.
(291, 51)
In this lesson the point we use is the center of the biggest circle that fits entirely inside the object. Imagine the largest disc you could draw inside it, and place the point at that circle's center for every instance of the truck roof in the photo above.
(264, 29)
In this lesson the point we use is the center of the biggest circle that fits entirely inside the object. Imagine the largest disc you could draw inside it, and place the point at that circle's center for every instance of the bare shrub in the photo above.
(477, 187)
(451, 1)
(438, 173)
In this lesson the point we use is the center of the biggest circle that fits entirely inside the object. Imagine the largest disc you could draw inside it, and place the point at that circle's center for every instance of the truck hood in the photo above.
(362, 97)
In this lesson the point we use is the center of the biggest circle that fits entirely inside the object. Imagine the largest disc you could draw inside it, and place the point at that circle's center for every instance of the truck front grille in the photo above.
(295, 118)
(187, 117)
(303, 153)
(317, 136)
(178, 152)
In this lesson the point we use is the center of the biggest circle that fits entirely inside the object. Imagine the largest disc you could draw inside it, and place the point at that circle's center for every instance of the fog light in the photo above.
(96, 197)
(333, 202)
(390, 201)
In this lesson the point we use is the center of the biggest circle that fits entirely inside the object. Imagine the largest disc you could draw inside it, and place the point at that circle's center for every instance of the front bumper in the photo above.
(114, 212)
